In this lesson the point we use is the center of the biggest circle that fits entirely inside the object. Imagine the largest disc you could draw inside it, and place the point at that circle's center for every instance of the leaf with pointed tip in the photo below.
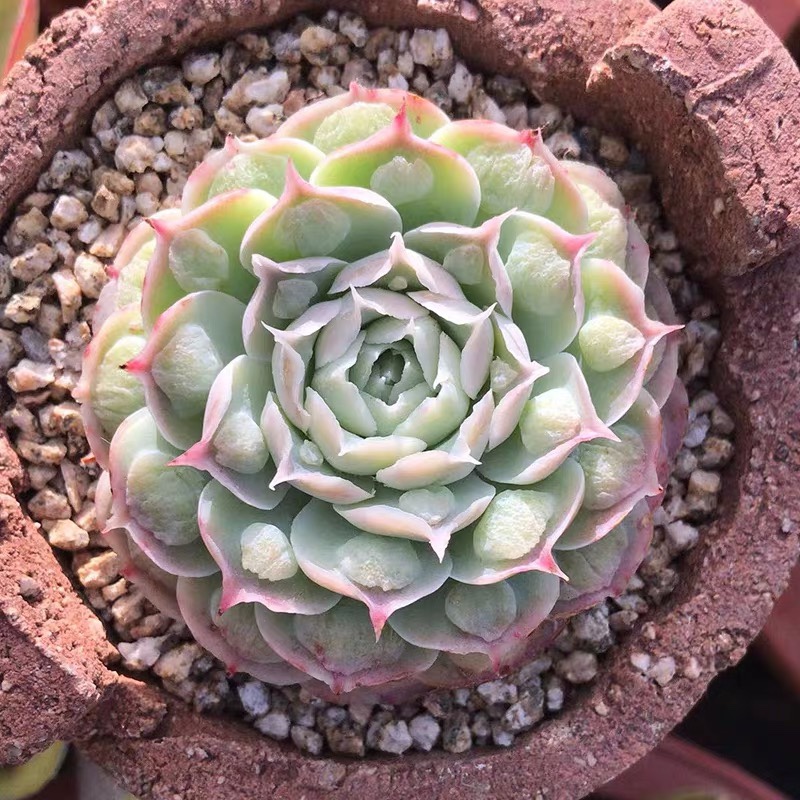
(158, 493)
(384, 573)
(285, 291)
(349, 453)
(225, 524)
(126, 274)
(461, 618)
(353, 116)
(422, 180)
(471, 329)
(663, 368)
(617, 340)
(544, 266)
(304, 467)
(233, 636)
(451, 461)
(618, 473)
(618, 236)
(347, 223)
(248, 165)
(512, 376)
(200, 252)
(397, 269)
(515, 171)
(535, 519)
(339, 647)
(558, 416)
(107, 393)
(604, 568)
(428, 515)
(470, 255)
(189, 345)
(232, 448)
(157, 584)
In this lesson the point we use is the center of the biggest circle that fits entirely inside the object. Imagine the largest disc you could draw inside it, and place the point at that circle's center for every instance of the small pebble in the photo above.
(663, 671)
(140, 655)
(307, 740)
(66, 535)
(577, 667)
(424, 731)
(276, 725)
(254, 697)
(68, 213)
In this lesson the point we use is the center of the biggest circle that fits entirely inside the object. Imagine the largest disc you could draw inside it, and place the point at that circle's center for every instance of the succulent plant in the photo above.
(388, 398)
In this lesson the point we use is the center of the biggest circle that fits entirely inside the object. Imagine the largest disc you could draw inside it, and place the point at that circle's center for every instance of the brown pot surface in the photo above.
(712, 98)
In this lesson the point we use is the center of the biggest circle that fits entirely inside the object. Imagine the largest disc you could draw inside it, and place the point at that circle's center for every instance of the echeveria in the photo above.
(383, 402)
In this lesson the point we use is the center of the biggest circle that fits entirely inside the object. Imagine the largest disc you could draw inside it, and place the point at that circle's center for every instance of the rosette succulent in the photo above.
(387, 398)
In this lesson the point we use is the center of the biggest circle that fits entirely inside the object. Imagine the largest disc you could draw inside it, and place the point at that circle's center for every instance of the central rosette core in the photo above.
(383, 366)
(373, 375)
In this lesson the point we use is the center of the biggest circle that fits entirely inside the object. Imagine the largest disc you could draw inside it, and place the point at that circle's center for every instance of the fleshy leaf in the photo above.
(617, 236)
(248, 165)
(604, 568)
(615, 312)
(200, 251)
(547, 510)
(431, 515)
(225, 523)
(397, 269)
(339, 647)
(301, 464)
(284, 293)
(556, 418)
(544, 266)
(353, 116)
(107, 393)
(385, 573)
(232, 448)
(460, 618)
(344, 222)
(618, 473)
(233, 636)
(422, 180)
(516, 171)
(452, 461)
(470, 255)
(188, 347)
(138, 439)
(354, 455)
(126, 274)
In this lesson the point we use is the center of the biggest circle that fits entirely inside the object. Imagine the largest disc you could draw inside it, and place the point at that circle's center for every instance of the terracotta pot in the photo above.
(678, 769)
(779, 641)
(712, 98)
